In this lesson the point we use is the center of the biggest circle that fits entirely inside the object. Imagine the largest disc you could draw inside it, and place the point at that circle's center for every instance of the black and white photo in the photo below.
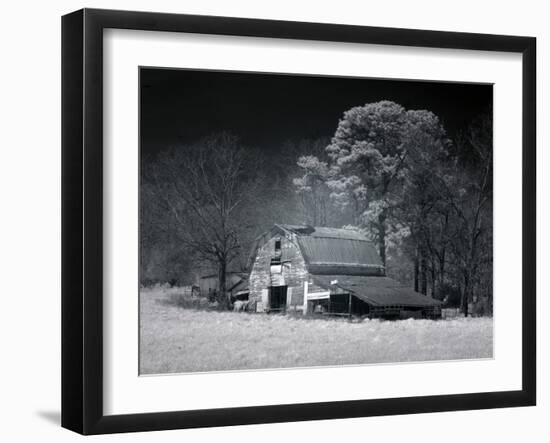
(292, 221)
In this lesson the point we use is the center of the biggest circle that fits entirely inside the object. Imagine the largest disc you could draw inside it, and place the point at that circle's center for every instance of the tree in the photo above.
(422, 208)
(469, 192)
(312, 189)
(367, 156)
(163, 258)
(393, 168)
(200, 188)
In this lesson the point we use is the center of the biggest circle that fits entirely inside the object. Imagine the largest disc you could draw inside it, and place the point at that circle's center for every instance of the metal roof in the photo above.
(376, 291)
(332, 250)
(323, 232)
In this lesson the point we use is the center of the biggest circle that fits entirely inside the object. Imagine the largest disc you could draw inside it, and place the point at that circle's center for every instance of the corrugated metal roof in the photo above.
(377, 291)
(344, 269)
(329, 249)
(323, 232)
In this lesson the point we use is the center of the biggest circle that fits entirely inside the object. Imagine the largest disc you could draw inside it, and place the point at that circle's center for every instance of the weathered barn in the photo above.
(327, 270)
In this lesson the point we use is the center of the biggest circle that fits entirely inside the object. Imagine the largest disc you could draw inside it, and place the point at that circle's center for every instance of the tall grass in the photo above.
(174, 338)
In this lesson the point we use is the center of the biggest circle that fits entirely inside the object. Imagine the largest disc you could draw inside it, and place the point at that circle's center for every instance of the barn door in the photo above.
(277, 298)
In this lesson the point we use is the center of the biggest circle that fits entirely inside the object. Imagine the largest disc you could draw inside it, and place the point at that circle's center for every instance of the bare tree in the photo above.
(200, 187)
(422, 208)
(469, 192)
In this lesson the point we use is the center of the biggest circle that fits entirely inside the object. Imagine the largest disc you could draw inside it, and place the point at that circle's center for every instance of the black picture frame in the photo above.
(82, 218)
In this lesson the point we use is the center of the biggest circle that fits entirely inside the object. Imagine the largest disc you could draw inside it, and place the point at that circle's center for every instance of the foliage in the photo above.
(368, 153)
(394, 174)
(312, 188)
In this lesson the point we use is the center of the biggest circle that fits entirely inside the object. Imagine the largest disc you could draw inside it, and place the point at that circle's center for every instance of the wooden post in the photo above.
(306, 288)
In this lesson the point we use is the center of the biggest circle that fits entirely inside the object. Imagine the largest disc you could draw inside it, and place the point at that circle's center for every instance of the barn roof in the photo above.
(376, 291)
(332, 250)
(323, 232)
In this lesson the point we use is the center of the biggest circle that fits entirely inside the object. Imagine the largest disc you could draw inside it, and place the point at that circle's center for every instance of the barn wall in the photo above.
(294, 273)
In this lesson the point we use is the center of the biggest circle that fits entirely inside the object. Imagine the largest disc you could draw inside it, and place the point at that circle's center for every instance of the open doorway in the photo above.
(277, 298)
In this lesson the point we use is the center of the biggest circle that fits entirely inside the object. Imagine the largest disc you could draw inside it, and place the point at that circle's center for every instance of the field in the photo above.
(175, 339)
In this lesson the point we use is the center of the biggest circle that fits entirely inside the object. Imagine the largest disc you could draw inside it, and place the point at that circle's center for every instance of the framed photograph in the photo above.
(269, 221)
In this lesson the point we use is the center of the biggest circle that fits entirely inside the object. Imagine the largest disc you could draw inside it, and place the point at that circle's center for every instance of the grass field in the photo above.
(174, 339)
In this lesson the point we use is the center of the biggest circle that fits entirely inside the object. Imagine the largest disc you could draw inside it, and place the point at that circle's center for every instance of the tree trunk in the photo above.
(465, 295)
(423, 272)
(415, 264)
(315, 209)
(382, 237)
(223, 298)
(441, 276)
(432, 274)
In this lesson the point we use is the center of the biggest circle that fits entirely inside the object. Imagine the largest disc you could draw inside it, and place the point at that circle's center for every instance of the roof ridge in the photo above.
(340, 238)
(287, 225)
(324, 232)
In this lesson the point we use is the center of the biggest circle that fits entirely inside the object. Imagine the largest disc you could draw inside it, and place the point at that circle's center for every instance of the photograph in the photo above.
(300, 221)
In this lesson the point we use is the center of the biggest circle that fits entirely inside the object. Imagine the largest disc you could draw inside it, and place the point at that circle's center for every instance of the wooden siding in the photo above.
(293, 273)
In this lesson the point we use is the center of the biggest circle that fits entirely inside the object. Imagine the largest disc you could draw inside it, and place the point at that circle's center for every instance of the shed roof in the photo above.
(377, 291)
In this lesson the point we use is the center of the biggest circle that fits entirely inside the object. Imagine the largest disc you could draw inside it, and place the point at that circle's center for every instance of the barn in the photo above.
(329, 271)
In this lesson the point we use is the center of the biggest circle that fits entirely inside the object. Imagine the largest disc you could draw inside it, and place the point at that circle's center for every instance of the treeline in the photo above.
(426, 200)
(396, 175)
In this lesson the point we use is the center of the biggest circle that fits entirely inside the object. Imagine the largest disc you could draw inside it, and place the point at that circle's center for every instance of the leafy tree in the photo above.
(401, 181)
(313, 190)
(367, 156)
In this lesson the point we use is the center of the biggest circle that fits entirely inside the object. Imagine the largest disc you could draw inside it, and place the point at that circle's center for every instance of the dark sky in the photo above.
(264, 110)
